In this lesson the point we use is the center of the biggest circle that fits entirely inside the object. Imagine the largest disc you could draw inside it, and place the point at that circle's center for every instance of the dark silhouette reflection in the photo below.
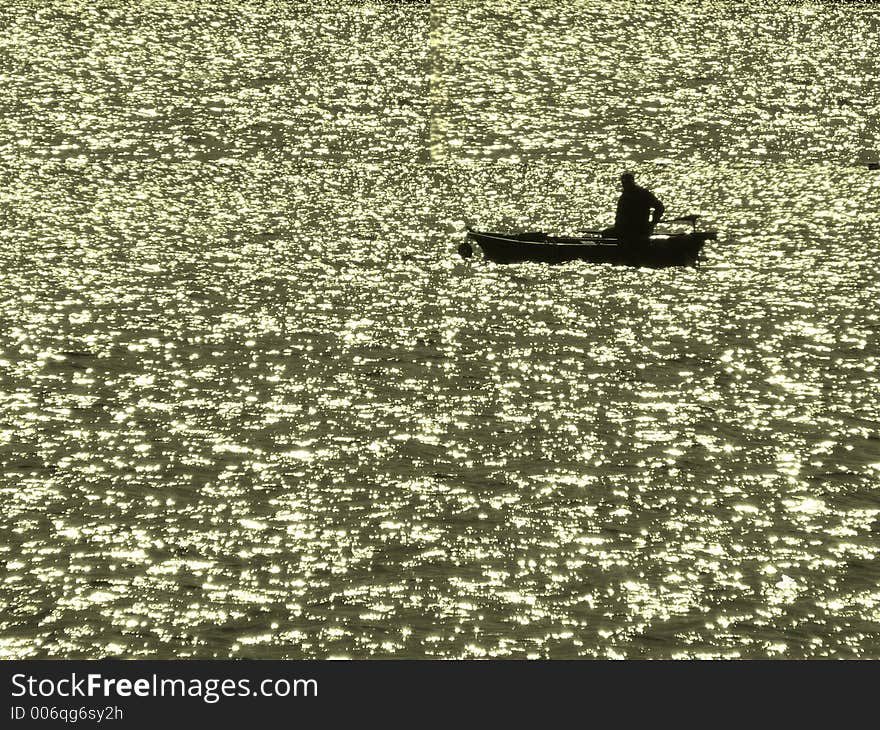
(874, 165)
(638, 211)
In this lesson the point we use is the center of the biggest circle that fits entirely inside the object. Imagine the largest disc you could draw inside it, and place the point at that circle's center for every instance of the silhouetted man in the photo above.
(634, 220)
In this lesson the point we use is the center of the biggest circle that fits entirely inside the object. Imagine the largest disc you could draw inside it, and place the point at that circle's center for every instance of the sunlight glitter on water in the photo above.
(255, 407)
(621, 80)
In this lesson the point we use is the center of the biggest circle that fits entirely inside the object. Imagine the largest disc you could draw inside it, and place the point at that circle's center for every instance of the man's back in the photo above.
(634, 211)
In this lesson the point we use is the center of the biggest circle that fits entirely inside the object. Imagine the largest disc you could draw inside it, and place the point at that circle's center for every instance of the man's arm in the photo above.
(658, 209)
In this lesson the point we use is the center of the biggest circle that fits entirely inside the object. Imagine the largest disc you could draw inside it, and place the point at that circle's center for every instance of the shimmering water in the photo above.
(253, 406)
(630, 80)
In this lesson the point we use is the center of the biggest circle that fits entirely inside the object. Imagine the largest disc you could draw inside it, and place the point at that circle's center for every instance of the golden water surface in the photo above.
(252, 405)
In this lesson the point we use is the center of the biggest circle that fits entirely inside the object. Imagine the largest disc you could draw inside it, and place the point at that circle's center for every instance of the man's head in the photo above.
(627, 180)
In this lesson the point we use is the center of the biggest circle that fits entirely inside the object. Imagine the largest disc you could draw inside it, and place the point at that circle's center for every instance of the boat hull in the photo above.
(657, 252)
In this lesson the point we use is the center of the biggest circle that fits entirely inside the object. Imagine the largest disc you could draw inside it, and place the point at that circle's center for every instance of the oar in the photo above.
(601, 234)
(692, 219)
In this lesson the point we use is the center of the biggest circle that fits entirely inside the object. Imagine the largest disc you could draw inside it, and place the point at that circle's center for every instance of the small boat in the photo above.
(657, 251)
